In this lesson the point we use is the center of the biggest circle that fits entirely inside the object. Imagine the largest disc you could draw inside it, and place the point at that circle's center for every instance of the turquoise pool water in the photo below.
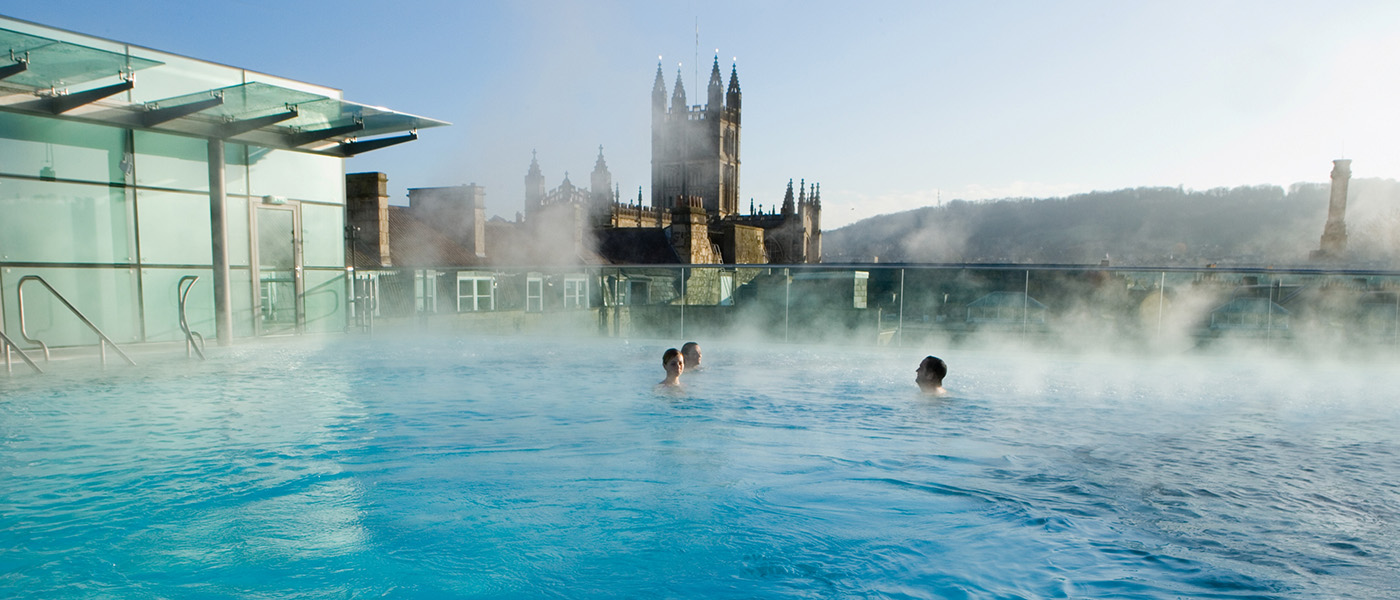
(509, 468)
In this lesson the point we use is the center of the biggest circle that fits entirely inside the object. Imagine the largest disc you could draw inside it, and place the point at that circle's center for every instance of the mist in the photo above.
(1250, 225)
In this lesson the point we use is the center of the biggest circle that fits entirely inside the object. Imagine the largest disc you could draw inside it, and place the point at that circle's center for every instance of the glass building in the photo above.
(126, 173)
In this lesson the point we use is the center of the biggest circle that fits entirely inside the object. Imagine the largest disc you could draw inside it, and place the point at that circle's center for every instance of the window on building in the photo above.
(636, 292)
(726, 289)
(425, 291)
(475, 292)
(534, 293)
(575, 291)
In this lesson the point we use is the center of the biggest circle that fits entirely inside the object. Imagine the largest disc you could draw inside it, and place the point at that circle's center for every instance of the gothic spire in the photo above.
(732, 98)
(787, 200)
(601, 165)
(716, 89)
(678, 97)
(658, 93)
(534, 165)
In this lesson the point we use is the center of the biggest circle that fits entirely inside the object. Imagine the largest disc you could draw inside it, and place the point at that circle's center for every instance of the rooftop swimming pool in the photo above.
(509, 468)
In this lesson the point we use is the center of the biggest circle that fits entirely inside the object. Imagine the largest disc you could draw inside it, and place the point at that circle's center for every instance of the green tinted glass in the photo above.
(42, 221)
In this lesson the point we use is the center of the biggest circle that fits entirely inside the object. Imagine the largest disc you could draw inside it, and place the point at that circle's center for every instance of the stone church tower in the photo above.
(695, 149)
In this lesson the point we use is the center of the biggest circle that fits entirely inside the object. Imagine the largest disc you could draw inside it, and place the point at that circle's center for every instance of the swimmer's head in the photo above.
(691, 352)
(931, 373)
(673, 361)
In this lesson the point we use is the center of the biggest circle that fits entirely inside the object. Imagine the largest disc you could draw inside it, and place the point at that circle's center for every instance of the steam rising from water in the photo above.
(486, 466)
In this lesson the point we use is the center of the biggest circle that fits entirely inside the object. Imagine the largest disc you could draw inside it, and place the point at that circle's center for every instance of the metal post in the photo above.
(218, 238)
(1026, 303)
(1161, 300)
(683, 301)
(787, 301)
(901, 308)
(1269, 324)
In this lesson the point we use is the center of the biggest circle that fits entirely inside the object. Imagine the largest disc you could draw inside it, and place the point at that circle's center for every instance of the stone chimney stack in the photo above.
(367, 216)
(690, 235)
(1334, 234)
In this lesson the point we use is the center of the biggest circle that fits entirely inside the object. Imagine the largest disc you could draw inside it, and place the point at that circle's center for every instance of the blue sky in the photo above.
(889, 105)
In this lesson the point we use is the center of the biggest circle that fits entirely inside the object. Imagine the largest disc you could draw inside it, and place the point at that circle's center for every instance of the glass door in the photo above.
(279, 293)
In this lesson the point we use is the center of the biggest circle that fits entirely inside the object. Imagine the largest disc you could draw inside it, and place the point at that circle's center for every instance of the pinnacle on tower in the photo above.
(534, 165)
(658, 94)
(716, 89)
(732, 97)
(601, 165)
(787, 200)
(678, 96)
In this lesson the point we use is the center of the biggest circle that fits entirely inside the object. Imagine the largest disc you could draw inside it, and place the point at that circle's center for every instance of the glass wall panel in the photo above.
(325, 300)
(160, 296)
(43, 221)
(295, 175)
(241, 287)
(105, 296)
(175, 228)
(238, 239)
(235, 169)
(172, 161)
(53, 149)
(323, 235)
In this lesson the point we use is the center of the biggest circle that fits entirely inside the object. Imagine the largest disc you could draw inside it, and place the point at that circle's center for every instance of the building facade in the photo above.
(135, 182)
(695, 149)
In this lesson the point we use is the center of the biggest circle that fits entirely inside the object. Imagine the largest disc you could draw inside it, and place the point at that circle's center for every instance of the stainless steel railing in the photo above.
(9, 344)
(103, 340)
(183, 291)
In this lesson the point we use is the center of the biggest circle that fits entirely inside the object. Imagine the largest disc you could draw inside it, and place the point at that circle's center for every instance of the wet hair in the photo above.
(670, 353)
(934, 366)
(688, 346)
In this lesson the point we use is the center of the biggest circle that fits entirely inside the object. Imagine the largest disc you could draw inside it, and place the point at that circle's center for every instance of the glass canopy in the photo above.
(314, 111)
(54, 64)
(260, 114)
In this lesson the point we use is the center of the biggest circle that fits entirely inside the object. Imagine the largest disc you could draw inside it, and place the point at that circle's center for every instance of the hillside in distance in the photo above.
(1148, 226)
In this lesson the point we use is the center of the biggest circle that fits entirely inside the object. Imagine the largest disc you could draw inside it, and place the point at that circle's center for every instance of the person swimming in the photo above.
(930, 376)
(691, 352)
(675, 365)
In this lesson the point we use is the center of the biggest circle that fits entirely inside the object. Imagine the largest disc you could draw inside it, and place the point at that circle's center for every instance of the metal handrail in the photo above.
(8, 344)
(103, 340)
(190, 336)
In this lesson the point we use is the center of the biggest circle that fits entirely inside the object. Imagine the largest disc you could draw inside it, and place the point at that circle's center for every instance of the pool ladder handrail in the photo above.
(10, 344)
(190, 336)
(102, 342)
